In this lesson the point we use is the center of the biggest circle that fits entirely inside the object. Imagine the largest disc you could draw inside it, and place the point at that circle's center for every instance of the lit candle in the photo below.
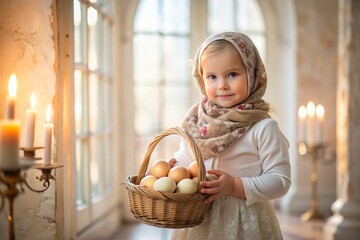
(9, 144)
(48, 137)
(30, 123)
(310, 108)
(302, 127)
(10, 100)
(320, 113)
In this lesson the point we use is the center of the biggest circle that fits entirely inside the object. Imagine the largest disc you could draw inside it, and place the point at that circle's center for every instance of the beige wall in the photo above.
(317, 32)
(27, 49)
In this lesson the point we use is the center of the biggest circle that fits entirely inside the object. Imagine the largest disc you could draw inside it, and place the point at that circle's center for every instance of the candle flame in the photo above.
(320, 111)
(48, 113)
(33, 100)
(302, 112)
(310, 109)
(302, 149)
(12, 87)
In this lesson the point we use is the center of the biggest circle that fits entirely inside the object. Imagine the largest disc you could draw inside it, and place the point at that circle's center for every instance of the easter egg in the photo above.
(211, 177)
(178, 173)
(165, 184)
(148, 181)
(193, 169)
(186, 186)
(160, 168)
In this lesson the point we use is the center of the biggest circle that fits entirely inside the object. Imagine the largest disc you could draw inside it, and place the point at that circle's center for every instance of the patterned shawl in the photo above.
(213, 127)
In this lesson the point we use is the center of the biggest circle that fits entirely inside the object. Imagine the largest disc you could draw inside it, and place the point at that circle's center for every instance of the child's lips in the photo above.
(224, 95)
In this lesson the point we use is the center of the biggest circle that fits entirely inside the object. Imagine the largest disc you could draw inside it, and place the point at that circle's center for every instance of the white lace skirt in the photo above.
(231, 219)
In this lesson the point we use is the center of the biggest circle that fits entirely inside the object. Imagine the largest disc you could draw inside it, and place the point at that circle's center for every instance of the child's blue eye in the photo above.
(232, 75)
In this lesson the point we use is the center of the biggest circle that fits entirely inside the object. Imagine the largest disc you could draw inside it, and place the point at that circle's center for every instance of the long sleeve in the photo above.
(260, 158)
(275, 179)
(183, 156)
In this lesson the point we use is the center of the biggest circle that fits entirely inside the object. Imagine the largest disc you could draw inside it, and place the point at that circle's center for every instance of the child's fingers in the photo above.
(216, 172)
(171, 162)
(214, 190)
(210, 184)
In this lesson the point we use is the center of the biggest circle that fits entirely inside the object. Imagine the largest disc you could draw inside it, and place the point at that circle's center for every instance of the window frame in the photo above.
(104, 214)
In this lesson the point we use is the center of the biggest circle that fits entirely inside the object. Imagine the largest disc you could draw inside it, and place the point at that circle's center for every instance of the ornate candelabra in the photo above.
(316, 152)
(311, 120)
(14, 181)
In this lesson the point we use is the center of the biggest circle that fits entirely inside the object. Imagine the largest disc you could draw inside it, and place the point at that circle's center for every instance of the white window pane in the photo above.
(80, 33)
(259, 41)
(147, 59)
(220, 15)
(176, 102)
(93, 38)
(176, 16)
(147, 102)
(81, 102)
(147, 16)
(81, 172)
(108, 50)
(95, 156)
(249, 16)
(176, 59)
(94, 99)
(141, 145)
(108, 102)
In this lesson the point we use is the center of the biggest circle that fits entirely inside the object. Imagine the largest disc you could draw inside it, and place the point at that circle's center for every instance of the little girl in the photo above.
(239, 141)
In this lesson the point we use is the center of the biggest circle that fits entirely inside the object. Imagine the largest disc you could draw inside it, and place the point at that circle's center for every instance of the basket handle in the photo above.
(177, 131)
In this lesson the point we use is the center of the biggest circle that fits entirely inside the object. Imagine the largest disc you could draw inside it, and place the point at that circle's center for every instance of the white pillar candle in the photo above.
(11, 98)
(310, 108)
(320, 113)
(30, 123)
(9, 144)
(48, 130)
(302, 124)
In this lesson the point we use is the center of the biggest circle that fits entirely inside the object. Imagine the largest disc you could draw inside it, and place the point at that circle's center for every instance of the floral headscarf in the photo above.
(214, 128)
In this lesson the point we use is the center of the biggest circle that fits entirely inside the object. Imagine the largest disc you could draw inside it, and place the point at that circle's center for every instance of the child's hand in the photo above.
(224, 185)
(171, 162)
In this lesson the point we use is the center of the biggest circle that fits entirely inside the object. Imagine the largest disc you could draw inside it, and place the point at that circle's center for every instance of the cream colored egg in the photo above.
(196, 180)
(160, 168)
(148, 181)
(193, 169)
(186, 186)
(178, 173)
(165, 184)
(211, 177)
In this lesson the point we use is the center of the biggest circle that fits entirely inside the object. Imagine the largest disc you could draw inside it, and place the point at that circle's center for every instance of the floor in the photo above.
(292, 228)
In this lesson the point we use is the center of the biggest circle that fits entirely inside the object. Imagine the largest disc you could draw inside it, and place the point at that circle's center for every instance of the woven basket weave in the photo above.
(166, 210)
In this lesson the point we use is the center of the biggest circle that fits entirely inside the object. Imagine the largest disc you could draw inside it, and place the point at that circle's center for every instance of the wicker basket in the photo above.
(166, 210)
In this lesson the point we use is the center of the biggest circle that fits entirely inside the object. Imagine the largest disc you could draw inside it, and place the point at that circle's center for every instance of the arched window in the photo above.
(238, 15)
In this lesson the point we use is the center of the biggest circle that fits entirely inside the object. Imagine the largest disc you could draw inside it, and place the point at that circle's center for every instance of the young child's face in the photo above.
(225, 77)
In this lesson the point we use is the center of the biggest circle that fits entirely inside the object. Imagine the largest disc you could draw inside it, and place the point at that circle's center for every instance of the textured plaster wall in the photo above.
(317, 23)
(27, 49)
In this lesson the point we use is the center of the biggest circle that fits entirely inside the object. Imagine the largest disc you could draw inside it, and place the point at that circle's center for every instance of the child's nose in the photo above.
(223, 84)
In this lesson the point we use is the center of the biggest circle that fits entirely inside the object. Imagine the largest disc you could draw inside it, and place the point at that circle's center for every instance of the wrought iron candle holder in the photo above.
(14, 181)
